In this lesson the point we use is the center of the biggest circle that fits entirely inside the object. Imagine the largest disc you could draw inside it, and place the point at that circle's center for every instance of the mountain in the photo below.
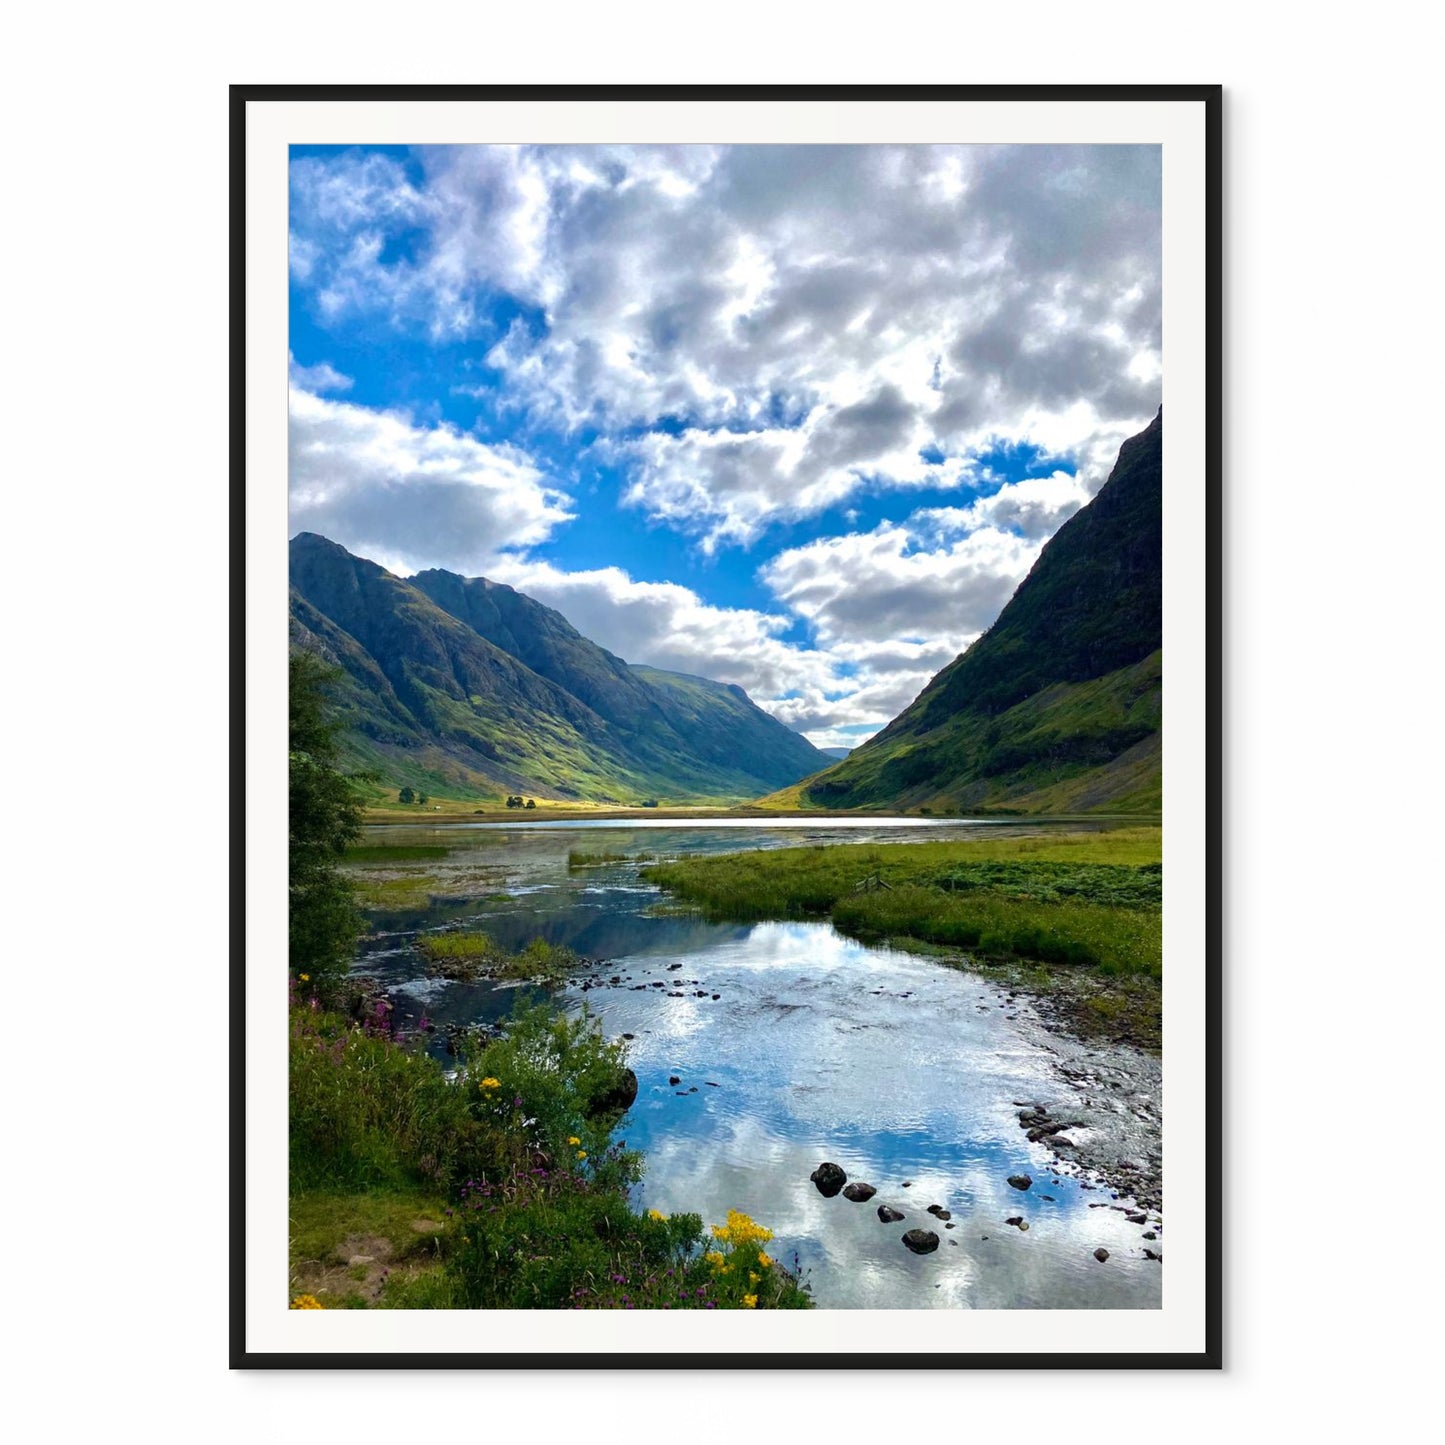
(465, 686)
(836, 752)
(1057, 707)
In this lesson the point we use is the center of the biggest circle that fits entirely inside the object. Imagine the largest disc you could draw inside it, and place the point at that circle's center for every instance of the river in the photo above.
(792, 1044)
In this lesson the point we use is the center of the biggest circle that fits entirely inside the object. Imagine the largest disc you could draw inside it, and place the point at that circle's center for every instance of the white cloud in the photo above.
(321, 377)
(412, 496)
(840, 307)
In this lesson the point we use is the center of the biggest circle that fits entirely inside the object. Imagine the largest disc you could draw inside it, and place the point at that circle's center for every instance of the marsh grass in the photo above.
(474, 955)
(1086, 898)
(394, 852)
(578, 859)
(410, 890)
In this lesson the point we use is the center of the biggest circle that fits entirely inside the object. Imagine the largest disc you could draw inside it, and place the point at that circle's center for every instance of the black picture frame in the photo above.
(1211, 98)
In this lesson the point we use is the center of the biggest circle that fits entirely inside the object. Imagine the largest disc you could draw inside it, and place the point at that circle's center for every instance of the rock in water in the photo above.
(617, 1098)
(889, 1216)
(1020, 1181)
(859, 1193)
(829, 1178)
(921, 1241)
(1101, 1254)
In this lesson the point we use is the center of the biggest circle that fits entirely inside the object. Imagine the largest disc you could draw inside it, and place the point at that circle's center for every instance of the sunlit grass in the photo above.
(1083, 898)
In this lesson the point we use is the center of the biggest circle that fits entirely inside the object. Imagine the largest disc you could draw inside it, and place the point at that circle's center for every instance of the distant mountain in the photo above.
(1057, 707)
(464, 686)
(836, 752)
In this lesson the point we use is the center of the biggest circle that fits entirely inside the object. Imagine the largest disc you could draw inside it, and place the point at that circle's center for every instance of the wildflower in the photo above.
(764, 1260)
(305, 978)
(490, 1083)
(714, 1258)
(573, 1140)
(581, 1153)
(657, 1214)
(753, 1278)
(750, 1301)
(307, 1302)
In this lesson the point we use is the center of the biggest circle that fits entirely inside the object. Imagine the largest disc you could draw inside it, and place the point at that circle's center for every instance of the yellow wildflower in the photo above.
(656, 1214)
(753, 1278)
(581, 1153)
(750, 1301)
(714, 1258)
(573, 1140)
(305, 978)
(764, 1260)
(490, 1083)
(307, 1302)
(741, 1230)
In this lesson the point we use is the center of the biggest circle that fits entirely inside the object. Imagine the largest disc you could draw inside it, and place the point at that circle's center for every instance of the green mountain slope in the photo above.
(491, 693)
(1058, 706)
(725, 729)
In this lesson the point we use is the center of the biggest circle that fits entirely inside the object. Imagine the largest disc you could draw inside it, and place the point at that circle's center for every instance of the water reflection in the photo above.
(816, 1047)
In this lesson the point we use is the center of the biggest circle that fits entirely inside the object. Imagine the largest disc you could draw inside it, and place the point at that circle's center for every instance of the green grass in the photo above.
(1082, 898)
(501, 1188)
(473, 955)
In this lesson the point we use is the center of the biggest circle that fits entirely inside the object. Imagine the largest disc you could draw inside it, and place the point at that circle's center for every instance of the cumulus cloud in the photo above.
(816, 316)
(412, 496)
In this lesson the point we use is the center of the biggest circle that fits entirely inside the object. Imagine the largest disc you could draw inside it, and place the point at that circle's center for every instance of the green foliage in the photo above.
(520, 1144)
(325, 816)
(406, 795)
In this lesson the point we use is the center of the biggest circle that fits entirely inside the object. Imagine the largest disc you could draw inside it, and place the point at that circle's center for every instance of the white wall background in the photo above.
(113, 586)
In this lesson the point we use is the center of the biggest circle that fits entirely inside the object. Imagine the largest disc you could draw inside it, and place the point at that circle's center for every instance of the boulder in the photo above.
(829, 1178)
(921, 1241)
(1020, 1181)
(618, 1098)
(1101, 1254)
(859, 1192)
(890, 1216)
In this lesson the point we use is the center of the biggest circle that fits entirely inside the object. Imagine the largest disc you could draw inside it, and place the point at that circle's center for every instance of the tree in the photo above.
(531, 802)
(421, 798)
(406, 796)
(325, 815)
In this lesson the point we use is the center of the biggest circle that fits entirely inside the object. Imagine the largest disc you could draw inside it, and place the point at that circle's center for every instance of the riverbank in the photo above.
(493, 1185)
(1074, 917)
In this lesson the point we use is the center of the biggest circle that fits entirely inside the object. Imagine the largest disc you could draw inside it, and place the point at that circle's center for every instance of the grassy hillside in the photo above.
(1058, 706)
(432, 701)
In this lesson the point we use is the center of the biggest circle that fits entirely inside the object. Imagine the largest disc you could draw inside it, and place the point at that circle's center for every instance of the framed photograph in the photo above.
(706, 840)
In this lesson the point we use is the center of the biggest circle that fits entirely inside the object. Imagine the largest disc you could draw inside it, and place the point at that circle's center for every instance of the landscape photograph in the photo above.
(725, 694)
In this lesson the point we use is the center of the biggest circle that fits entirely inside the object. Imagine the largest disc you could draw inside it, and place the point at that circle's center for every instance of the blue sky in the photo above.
(799, 419)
